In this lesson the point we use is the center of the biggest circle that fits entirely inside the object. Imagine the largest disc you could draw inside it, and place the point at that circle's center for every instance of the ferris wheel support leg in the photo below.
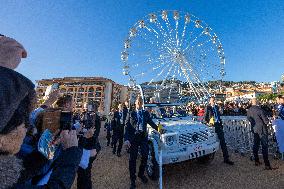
(161, 169)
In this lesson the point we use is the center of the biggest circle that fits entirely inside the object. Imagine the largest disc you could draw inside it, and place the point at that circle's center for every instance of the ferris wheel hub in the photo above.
(178, 56)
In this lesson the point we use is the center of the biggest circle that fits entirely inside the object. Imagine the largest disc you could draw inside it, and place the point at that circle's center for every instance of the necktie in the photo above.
(140, 120)
(215, 114)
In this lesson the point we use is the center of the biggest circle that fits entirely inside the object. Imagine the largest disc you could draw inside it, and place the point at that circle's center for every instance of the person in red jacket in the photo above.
(201, 111)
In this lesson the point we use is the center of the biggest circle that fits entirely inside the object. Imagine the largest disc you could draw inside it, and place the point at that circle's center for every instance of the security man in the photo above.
(136, 136)
(212, 117)
(90, 120)
(117, 124)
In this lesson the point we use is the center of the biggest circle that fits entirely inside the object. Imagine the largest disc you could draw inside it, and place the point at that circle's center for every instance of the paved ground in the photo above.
(111, 172)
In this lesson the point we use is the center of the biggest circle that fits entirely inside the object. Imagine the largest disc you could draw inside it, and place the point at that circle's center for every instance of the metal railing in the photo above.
(239, 138)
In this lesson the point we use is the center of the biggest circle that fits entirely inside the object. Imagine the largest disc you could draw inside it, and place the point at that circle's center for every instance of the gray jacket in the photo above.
(258, 120)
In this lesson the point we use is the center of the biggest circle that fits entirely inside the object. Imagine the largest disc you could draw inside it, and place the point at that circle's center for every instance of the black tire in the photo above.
(207, 159)
(152, 164)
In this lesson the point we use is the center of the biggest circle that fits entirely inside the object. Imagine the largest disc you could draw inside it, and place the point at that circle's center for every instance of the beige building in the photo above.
(101, 90)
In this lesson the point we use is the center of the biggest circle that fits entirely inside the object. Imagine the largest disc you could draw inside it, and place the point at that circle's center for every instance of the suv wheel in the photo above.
(207, 159)
(152, 164)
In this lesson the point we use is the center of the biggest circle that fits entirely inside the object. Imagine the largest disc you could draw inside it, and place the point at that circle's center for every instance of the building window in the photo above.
(81, 90)
(98, 93)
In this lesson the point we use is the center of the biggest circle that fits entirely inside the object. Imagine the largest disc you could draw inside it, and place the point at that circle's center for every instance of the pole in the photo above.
(160, 164)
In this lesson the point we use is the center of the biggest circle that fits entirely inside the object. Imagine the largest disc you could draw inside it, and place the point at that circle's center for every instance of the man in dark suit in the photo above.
(90, 120)
(136, 136)
(259, 122)
(212, 117)
(117, 124)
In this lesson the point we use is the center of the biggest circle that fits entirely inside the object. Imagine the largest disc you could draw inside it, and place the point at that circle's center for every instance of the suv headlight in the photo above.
(171, 140)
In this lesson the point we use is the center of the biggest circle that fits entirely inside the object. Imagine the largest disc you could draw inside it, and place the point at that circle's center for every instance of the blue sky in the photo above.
(85, 38)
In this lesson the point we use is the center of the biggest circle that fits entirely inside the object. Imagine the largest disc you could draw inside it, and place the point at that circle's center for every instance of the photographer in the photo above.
(17, 96)
(30, 141)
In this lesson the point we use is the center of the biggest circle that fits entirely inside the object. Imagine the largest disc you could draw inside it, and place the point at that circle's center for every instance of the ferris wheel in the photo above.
(172, 48)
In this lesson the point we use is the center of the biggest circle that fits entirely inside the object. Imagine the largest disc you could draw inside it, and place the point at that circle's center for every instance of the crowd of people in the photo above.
(231, 108)
(47, 146)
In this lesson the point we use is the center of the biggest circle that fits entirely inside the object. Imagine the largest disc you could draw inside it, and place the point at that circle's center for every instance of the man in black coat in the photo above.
(117, 125)
(212, 117)
(136, 136)
(259, 122)
(90, 120)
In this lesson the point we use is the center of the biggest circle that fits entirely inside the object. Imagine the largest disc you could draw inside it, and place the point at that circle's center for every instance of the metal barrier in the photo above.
(239, 138)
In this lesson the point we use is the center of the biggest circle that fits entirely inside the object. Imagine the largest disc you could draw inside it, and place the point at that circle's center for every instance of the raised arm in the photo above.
(151, 122)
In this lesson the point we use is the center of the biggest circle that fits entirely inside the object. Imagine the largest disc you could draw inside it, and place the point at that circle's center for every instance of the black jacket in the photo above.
(209, 113)
(63, 172)
(116, 125)
(91, 119)
(131, 124)
(258, 120)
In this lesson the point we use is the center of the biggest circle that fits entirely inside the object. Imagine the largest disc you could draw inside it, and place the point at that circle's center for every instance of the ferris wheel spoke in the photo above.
(196, 74)
(186, 76)
(168, 73)
(156, 34)
(152, 45)
(183, 34)
(162, 48)
(174, 73)
(170, 29)
(164, 39)
(192, 42)
(177, 39)
(199, 82)
(167, 38)
(148, 40)
(158, 75)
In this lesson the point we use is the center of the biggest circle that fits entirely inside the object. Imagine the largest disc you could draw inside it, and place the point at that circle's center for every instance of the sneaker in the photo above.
(229, 162)
(143, 179)
(113, 151)
(118, 154)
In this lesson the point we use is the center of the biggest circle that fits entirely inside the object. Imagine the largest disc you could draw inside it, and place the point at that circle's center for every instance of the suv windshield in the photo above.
(167, 112)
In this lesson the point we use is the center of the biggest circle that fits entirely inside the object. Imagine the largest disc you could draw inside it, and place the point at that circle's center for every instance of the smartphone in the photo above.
(66, 121)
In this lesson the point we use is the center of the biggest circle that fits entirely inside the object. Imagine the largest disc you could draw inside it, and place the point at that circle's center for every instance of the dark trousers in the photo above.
(117, 137)
(142, 142)
(264, 145)
(84, 179)
(220, 133)
(108, 136)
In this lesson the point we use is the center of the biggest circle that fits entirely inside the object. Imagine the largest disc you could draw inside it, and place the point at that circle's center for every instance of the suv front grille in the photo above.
(192, 138)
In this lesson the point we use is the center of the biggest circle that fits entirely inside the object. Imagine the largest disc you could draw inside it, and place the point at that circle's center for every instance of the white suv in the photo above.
(183, 139)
